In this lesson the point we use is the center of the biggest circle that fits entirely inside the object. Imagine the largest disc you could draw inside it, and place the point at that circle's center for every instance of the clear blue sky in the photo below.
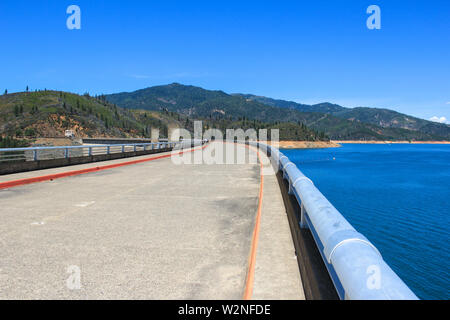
(306, 51)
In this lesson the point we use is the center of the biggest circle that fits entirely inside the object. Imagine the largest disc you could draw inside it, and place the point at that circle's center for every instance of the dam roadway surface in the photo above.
(151, 230)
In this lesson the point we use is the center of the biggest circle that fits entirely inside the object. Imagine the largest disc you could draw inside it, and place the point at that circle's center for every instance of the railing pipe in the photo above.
(355, 265)
(91, 149)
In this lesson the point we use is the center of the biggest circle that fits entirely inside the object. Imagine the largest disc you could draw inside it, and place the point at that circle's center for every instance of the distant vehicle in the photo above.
(69, 134)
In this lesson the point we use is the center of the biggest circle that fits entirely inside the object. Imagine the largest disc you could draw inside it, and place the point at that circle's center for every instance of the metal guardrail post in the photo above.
(135, 148)
(90, 151)
(66, 153)
(303, 222)
(35, 155)
(108, 150)
(123, 148)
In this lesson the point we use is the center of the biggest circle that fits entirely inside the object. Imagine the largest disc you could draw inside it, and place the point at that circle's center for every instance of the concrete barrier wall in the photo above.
(317, 283)
(114, 141)
(24, 166)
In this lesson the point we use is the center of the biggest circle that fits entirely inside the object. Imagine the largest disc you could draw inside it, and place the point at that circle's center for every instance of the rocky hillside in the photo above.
(50, 113)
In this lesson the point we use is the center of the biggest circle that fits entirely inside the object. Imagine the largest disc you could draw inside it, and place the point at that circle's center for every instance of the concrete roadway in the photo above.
(153, 230)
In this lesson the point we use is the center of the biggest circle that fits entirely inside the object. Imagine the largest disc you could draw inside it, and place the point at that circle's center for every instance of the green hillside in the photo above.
(383, 118)
(50, 113)
(335, 121)
(321, 108)
(199, 103)
(391, 119)
(47, 114)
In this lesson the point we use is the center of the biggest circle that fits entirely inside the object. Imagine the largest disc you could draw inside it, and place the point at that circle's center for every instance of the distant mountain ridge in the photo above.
(337, 122)
(384, 118)
(47, 114)
(325, 107)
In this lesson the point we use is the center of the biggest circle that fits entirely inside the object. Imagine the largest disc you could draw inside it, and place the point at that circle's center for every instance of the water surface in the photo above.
(397, 196)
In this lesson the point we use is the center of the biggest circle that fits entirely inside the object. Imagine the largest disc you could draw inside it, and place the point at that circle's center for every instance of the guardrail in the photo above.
(46, 153)
(354, 264)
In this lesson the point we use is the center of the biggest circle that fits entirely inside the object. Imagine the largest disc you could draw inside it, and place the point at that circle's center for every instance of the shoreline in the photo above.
(306, 144)
(389, 142)
(338, 143)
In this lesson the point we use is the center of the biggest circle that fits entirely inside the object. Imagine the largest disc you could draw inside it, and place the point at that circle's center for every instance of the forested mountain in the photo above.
(380, 117)
(391, 119)
(49, 113)
(335, 121)
(200, 103)
(321, 107)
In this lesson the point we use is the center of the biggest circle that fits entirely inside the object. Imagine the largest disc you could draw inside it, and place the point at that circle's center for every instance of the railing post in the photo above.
(135, 148)
(108, 149)
(66, 153)
(303, 222)
(123, 148)
(90, 151)
(35, 155)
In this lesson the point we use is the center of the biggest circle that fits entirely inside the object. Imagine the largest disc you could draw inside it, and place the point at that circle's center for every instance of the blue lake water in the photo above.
(398, 197)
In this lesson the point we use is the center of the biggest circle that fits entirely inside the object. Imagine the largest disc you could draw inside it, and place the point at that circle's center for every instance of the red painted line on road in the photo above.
(249, 283)
(21, 182)
(250, 278)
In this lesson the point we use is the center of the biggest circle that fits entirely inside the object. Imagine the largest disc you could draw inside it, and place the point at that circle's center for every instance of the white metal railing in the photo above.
(355, 265)
(46, 153)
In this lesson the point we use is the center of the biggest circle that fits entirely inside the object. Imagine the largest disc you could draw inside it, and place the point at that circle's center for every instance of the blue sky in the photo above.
(306, 51)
